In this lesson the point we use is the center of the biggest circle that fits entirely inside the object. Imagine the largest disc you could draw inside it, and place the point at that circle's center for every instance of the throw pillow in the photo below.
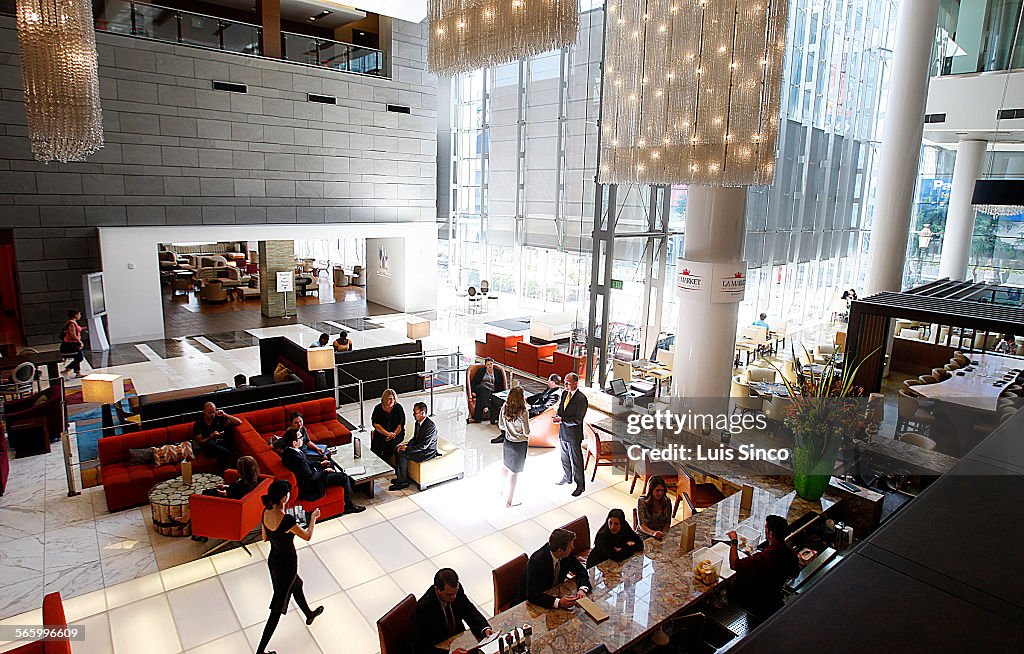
(173, 453)
(281, 373)
(138, 456)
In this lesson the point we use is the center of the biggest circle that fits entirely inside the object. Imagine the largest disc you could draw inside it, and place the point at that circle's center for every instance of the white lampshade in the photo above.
(102, 389)
(320, 358)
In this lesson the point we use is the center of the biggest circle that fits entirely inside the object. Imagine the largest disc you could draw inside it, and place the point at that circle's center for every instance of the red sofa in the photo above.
(500, 348)
(561, 364)
(320, 417)
(53, 616)
(225, 518)
(250, 442)
(126, 485)
(528, 356)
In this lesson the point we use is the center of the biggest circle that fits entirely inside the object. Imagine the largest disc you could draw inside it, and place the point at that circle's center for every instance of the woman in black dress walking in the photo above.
(281, 529)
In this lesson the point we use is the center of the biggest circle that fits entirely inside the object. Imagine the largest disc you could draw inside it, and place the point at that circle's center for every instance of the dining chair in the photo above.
(776, 410)
(606, 451)
(923, 442)
(742, 399)
(507, 579)
(910, 413)
(928, 379)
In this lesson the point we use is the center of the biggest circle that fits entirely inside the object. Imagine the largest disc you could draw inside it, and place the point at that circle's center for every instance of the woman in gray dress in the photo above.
(514, 421)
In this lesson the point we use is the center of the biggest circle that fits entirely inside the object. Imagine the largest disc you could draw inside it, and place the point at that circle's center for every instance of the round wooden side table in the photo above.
(168, 501)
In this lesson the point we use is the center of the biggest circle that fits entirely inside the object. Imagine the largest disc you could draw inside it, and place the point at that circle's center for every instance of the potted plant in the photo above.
(826, 410)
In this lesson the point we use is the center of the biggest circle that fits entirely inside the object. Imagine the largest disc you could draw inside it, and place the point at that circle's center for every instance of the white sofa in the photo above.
(552, 327)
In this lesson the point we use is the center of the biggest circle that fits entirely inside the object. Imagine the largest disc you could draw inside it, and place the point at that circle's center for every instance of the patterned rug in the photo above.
(88, 419)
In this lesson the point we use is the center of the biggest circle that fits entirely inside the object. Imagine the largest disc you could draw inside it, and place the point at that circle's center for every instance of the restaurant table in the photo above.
(769, 389)
(654, 370)
(646, 590)
(975, 389)
(49, 358)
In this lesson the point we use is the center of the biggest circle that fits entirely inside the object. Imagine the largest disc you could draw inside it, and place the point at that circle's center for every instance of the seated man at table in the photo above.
(322, 341)
(549, 566)
(760, 578)
(312, 478)
(421, 447)
(213, 434)
(762, 321)
(541, 402)
(441, 613)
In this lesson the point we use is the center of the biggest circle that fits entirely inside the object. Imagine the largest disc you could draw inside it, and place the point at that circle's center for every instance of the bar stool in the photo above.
(923, 442)
(911, 414)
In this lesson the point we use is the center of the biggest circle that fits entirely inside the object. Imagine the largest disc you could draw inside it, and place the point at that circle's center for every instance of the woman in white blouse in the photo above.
(514, 421)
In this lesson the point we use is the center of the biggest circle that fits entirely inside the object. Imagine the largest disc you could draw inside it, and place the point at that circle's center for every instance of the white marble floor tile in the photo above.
(528, 535)
(231, 643)
(356, 521)
(75, 581)
(21, 596)
(250, 591)
(128, 565)
(348, 561)
(291, 635)
(388, 546)
(98, 639)
(202, 612)
(375, 598)
(21, 559)
(342, 628)
(135, 590)
(145, 625)
(395, 508)
(317, 581)
(416, 578)
(497, 549)
(71, 547)
(187, 573)
(122, 532)
(21, 521)
(84, 606)
(466, 525)
(425, 533)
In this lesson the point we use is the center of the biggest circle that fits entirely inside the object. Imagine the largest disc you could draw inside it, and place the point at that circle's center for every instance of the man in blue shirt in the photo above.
(760, 322)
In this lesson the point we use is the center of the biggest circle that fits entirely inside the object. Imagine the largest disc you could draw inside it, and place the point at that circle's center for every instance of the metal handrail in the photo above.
(195, 13)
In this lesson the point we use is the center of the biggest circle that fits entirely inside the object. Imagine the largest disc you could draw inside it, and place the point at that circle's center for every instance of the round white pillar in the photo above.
(959, 231)
(901, 144)
(705, 331)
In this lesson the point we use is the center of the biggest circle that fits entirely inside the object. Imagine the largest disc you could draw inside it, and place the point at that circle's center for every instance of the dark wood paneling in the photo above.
(918, 357)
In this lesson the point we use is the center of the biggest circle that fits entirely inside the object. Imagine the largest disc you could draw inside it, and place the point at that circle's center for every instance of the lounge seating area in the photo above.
(535, 360)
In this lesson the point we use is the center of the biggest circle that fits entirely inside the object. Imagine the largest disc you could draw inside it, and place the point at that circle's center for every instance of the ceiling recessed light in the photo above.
(323, 14)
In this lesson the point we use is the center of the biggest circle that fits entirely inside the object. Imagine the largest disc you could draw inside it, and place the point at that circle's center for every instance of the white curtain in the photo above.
(346, 252)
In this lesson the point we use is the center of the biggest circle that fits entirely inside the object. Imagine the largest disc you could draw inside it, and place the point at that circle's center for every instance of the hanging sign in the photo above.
(693, 279)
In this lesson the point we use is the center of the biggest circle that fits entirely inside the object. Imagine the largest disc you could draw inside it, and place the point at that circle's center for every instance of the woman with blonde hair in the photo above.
(514, 421)
(388, 420)
(248, 480)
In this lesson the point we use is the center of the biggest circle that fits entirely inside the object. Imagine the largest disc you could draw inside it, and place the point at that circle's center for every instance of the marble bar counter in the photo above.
(646, 590)
(912, 458)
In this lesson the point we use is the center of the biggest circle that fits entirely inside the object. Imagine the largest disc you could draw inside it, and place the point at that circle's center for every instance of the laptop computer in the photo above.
(618, 388)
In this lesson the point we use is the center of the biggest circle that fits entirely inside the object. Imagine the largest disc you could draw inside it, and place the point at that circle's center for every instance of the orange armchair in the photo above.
(561, 364)
(53, 616)
(470, 396)
(528, 356)
(227, 519)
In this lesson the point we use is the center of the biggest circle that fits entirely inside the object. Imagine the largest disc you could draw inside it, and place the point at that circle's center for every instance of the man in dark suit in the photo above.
(441, 612)
(541, 402)
(422, 446)
(311, 476)
(572, 409)
(549, 566)
(487, 381)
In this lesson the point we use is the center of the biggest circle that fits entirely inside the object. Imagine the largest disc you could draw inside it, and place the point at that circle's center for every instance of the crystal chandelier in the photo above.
(467, 35)
(999, 197)
(690, 91)
(59, 70)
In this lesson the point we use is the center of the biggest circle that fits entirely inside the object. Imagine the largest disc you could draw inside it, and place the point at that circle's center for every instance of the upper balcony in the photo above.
(976, 36)
(229, 30)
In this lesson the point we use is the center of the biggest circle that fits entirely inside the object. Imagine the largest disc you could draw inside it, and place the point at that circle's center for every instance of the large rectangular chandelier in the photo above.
(467, 35)
(690, 91)
(57, 42)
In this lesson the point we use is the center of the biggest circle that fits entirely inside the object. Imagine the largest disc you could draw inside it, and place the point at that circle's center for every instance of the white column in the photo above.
(901, 144)
(706, 332)
(959, 231)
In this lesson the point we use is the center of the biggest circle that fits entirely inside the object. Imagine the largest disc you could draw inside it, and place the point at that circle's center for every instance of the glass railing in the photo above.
(979, 36)
(332, 54)
(168, 24)
(189, 28)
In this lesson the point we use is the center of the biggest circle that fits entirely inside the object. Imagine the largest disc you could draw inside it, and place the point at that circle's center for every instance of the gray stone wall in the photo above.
(179, 153)
(275, 257)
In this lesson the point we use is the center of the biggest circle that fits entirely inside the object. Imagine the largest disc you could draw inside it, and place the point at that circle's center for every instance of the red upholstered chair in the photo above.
(581, 546)
(395, 626)
(561, 364)
(508, 580)
(498, 348)
(53, 616)
(606, 450)
(470, 396)
(701, 496)
(528, 356)
(227, 519)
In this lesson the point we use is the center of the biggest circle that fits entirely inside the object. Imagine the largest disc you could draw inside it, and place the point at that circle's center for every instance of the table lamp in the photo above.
(106, 390)
(320, 358)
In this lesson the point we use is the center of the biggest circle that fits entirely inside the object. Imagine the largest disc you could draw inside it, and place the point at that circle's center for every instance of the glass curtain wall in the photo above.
(524, 158)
